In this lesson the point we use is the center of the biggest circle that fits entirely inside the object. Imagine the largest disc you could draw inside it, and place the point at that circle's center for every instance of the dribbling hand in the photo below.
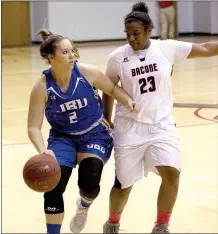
(48, 152)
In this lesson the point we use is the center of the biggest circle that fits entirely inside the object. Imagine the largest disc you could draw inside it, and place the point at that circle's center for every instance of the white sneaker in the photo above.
(109, 228)
(78, 222)
(163, 228)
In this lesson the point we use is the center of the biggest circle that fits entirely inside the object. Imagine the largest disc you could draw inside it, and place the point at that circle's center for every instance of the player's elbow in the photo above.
(208, 50)
(32, 130)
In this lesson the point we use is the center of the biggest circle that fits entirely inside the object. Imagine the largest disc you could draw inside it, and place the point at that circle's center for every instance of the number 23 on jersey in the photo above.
(147, 84)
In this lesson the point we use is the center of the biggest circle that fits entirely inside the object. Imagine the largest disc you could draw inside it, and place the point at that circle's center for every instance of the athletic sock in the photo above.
(163, 218)
(85, 202)
(53, 228)
(114, 217)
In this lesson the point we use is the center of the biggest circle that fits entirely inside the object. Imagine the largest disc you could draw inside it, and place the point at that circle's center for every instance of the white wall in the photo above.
(214, 17)
(198, 17)
(201, 16)
(83, 21)
(38, 15)
(185, 17)
(94, 20)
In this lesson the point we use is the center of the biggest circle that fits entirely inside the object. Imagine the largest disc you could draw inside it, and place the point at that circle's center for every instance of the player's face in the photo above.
(137, 36)
(64, 55)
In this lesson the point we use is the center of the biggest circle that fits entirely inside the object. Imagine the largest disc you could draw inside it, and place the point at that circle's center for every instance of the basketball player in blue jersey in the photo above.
(146, 141)
(79, 134)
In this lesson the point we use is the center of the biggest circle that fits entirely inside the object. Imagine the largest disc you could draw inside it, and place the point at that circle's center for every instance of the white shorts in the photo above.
(140, 146)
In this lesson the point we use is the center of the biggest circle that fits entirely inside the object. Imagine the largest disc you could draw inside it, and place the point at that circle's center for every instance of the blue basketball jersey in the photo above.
(75, 111)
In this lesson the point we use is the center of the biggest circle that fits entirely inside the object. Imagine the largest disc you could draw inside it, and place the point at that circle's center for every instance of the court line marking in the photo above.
(196, 113)
(195, 105)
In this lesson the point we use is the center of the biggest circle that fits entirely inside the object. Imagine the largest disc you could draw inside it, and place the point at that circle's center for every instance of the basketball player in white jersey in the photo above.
(146, 141)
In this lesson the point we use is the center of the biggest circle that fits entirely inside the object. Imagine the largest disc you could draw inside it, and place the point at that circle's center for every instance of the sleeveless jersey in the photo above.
(146, 76)
(76, 111)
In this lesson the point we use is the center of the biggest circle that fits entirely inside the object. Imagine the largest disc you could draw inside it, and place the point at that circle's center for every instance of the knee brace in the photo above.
(53, 200)
(90, 170)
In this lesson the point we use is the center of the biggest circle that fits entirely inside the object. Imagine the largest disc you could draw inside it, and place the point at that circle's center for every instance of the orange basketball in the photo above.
(41, 173)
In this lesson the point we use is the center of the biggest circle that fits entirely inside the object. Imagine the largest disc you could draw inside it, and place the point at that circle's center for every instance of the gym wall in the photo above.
(88, 21)
(85, 21)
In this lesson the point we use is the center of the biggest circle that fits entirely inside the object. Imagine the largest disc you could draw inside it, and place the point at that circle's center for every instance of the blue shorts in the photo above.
(98, 141)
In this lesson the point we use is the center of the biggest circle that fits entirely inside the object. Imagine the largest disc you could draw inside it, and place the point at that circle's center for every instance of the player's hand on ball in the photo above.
(48, 152)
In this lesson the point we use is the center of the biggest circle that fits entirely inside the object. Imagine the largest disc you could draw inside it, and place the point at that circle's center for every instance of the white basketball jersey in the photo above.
(146, 76)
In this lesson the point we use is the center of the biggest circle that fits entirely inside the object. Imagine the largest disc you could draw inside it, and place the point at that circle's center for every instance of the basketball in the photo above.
(41, 173)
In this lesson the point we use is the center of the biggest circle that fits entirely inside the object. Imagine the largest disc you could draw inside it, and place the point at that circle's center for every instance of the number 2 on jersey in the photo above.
(73, 117)
(143, 82)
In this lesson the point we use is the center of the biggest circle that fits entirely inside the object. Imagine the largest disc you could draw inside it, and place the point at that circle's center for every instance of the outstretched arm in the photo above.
(207, 49)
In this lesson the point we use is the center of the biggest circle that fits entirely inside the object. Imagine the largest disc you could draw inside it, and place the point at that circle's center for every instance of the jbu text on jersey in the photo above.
(73, 105)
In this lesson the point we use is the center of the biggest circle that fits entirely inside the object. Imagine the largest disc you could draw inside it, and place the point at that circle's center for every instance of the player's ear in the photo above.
(149, 30)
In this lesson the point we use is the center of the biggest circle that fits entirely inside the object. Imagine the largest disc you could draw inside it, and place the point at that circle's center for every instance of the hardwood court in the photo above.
(195, 89)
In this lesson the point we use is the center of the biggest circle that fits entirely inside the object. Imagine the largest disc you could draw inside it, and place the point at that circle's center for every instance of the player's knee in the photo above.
(90, 170)
(53, 200)
(171, 176)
